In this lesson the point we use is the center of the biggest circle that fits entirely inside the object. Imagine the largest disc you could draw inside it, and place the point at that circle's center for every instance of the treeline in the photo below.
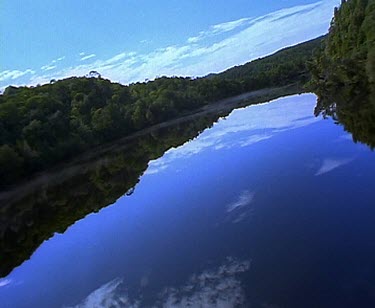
(348, 54)
(343, 72)
(41, 126)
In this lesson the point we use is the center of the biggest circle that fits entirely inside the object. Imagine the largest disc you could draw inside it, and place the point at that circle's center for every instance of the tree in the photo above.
(10, 164)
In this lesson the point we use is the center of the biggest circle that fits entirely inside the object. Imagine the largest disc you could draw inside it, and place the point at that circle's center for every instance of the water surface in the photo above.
(271, 207)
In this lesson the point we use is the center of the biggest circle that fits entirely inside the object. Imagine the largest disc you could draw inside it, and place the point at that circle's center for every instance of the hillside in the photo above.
(348, 56)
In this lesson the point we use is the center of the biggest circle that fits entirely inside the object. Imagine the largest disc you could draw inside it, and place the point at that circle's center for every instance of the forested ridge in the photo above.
(348, 55)
(43, 125)
(343, 72)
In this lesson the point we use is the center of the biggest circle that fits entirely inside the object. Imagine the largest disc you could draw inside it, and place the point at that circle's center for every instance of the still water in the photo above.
(271, 207)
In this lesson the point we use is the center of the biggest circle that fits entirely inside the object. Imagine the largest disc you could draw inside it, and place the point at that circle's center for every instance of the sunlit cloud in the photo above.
(217, 287)
(212, 50)
(330, 164)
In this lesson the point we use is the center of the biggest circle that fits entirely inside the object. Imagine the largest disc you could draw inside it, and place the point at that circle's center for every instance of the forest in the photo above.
(343, 72)
(44, 125)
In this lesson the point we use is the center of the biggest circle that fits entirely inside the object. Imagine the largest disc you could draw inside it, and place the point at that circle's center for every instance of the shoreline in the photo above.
(63, 170)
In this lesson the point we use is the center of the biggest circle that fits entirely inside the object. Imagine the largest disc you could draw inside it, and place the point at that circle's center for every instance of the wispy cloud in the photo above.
(218, 29)
(217, 287)
(58, 59)
(242, 208)
(212, 50)
(88, 57)
(330, 164)
(48, 67)
(52, 65)
(14, 74)
(244, 199)
(109, 295)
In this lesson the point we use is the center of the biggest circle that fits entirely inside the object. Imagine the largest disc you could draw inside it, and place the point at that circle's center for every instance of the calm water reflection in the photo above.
(271, 207)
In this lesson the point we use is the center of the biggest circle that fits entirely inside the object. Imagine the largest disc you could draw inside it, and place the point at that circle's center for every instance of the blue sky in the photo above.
(134, 40)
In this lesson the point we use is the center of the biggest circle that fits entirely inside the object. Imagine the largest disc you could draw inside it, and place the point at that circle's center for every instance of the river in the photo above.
(269, 207)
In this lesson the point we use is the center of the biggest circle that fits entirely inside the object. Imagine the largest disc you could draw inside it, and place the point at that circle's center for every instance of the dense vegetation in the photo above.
(32, 213)
(343, 73)
(41, 126)
(348, 56)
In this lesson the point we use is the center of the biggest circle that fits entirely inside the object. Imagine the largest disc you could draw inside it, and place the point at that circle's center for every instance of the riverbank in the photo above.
(63, 171)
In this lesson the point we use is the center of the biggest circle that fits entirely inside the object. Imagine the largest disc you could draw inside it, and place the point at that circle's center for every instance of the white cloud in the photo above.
(52, 65)
(58, 59)
(330, 164)
(48, 67)
(14, 74)
(218, 29)
(229, 26)
(218, 287)
(88, 57)
(240, 41)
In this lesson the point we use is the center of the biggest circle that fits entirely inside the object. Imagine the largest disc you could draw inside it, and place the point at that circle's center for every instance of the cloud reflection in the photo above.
(245, 198)
(108, 295)
(240, 209)
(330, 164)
(212, 288)
(250, 126)
(4, 282)
(218, 287)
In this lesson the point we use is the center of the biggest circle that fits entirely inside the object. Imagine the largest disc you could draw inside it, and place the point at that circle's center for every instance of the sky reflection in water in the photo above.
(247, 213)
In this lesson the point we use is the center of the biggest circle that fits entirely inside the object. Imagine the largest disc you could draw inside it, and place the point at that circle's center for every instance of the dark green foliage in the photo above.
(281, 68)
(348, 55)
(343, 73)
(47, 124)
(10, 164)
